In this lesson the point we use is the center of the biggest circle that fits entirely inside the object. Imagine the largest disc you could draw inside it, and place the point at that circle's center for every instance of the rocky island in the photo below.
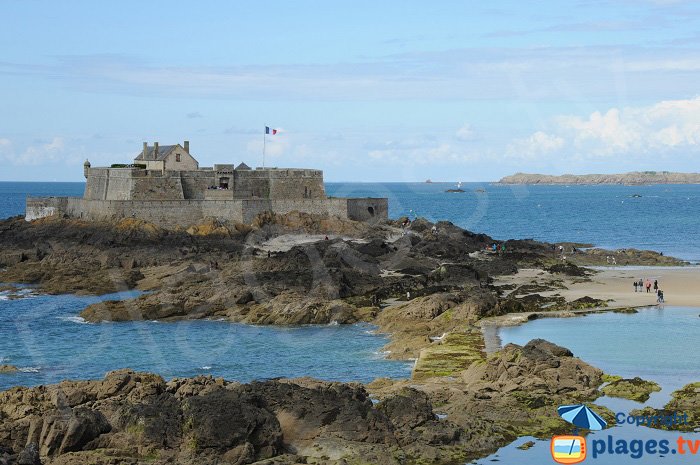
(632, 178)
(430, 287)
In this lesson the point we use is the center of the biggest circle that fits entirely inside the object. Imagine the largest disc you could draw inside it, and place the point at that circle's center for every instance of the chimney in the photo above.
(187, 146)
(155, 150)
(145, 150)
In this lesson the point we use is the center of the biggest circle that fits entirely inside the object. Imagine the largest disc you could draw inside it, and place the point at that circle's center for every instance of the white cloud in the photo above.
(469, 73)
(659, 128)
(465, 132)
(5, 147)
(434, 153)
(34, 154)
(539, 143)
(274, 146)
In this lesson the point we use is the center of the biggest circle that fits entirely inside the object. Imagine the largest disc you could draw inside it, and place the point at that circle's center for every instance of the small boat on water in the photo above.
(458, 189)
(428, 181)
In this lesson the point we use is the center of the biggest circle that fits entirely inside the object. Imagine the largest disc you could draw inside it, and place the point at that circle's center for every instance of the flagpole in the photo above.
(264, 134)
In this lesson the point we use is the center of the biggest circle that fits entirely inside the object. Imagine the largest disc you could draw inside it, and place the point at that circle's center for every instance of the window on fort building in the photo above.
(177, 157)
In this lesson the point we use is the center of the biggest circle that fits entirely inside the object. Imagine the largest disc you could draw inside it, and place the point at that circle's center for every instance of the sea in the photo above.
(44, 336)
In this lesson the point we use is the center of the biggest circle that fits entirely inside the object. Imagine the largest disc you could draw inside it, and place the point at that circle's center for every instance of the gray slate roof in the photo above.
(163, 151)
(243, 166)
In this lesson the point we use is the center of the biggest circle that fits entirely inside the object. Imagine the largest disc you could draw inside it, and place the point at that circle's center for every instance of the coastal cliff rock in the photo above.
(632, 178)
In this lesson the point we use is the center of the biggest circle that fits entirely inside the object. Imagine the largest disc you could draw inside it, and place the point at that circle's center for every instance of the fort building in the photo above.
(166, 186)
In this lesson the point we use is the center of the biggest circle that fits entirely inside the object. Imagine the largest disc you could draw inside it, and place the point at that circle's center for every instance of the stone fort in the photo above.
(165, 185)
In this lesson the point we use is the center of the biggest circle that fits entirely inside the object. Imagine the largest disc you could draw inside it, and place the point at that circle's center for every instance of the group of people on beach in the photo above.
(495, 248)
(642, 284)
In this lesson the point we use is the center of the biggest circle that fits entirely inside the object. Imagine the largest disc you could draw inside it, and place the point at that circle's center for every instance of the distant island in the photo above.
(633, 178)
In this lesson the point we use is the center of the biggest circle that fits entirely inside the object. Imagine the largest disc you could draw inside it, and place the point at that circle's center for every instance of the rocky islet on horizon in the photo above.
(632, 178)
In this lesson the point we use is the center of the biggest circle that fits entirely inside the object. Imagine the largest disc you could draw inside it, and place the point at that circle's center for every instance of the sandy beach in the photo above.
(681, 286)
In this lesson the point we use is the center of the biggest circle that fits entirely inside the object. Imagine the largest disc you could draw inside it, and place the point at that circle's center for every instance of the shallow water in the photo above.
(44, 336)
(658, 344)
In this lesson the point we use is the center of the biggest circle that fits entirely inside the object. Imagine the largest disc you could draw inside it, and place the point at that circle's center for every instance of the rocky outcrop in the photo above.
(221, 270)
(681, 413)
(633, 178)
(624, 257)
(5, 369)
(516, 391)
(635, 389)
(138, 418)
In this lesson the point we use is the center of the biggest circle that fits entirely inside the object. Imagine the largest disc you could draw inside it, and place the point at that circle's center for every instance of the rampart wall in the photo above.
(141, 184)
(174, 213)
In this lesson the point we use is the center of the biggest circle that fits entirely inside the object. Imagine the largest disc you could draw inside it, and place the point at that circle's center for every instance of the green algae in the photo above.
(635, 389)
(455, 352)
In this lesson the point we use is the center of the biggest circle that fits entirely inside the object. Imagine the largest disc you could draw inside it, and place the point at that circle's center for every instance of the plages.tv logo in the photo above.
(568, 449)
(572, 449)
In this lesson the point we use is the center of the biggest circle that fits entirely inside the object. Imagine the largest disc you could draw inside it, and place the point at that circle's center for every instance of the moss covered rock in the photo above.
(684, 403)
(4, 369)
(633, 389)
(454, 353)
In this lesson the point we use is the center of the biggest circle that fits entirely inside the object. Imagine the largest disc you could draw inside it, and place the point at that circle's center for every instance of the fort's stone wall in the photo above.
(367, 209)
(140, 184)
(156, 188)
(96, 185)
(196, 183)
(173, 213)
(41, 207)
(172, 198)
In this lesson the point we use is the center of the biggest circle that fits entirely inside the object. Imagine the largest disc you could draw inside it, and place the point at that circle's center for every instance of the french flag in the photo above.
(268, 130)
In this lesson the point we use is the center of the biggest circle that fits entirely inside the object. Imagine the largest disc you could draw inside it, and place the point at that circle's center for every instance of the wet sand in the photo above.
(681, 286)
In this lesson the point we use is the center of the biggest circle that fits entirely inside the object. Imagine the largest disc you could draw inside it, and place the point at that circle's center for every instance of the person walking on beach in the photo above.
(635, 285)
(660, 296)
(641, 285)
(648, 286)
(656, 286)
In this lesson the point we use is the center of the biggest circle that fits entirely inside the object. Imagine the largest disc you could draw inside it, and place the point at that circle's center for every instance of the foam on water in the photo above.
(29, 369)
(74, 319)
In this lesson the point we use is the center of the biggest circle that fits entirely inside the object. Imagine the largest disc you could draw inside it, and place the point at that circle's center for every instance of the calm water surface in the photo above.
(657, 344)
(45, 338)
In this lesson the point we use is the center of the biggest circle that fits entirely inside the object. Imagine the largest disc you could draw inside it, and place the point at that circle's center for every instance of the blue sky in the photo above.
(366, 91)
